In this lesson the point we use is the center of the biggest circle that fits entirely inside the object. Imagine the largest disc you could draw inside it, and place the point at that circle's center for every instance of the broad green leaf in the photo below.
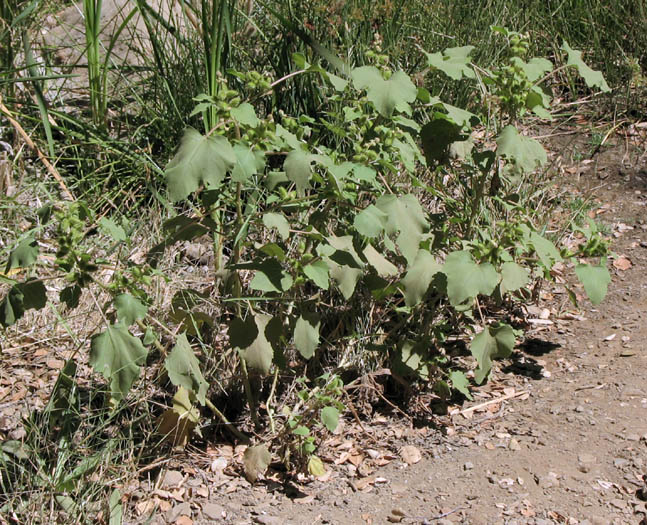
(454, 62)
(301, 431)
(591, 77)
(370, 222)
(419, 276)
(199, 161)
(535, 68)
(176, 424)
(113, 229)
(278, 221)
(411, 360)
(250, 338)
(288, 138)
(256, 459)
(460, 116)
(405, 218)
(595, 279)
(269, 277)
(386, 95)
(546, 251)
(513, 277)
(330, 418)
(526, 153)
(316, 466)
(467, 279)
(461, 383)
(24, 255)
(494, 342)
(306, 334)
(20, 298)
(117, 355)
(183, 369)
(245, 115)
(382, 265)
(318, 272)
(129, 309)
(115, 508)
(344, 253)
(345, 277)
(298, 168)
(249, 162)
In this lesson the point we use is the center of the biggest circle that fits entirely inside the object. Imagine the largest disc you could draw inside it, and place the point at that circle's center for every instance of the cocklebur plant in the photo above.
(319, 221)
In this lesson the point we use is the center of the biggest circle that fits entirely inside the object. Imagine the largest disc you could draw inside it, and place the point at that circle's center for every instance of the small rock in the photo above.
(548, 481)
(268, 520)
(212, 511)
(618, 503)
(541, 521)
(633, 437)
(398, 488)
(514, 445)
(172, 479)
(182, 509)
(468, 465)
(620, 463)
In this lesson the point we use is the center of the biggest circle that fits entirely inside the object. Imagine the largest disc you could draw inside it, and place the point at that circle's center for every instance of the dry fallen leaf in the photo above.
(622, 263)
(410, 454)
(184, 520)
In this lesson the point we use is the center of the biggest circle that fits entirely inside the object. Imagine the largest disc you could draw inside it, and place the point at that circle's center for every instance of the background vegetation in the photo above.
(355, 173)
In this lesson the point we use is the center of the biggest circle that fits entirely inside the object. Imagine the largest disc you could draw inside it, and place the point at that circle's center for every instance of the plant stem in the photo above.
(250, 396)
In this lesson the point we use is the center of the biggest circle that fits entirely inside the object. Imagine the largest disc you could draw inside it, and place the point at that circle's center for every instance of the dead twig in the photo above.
(492, 402)
(48, 165)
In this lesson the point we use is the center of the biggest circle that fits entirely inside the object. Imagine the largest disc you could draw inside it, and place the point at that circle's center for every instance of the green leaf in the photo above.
(330, 418)
(345, 277)
(115, 508)
(20, 298)
(546, 251)
(199, 160)
(249, 337)
(494, 342)
(591, 77)
(316, 466)
(301, 431)
(419, 276)
(129, 309)
(370, 222)
(248, 163)
(278, 221)
(535, 68)
(183, 369)
(382, 265)
(513, 277)
(410, 360)
(269, 277)
(24, 255)
(298, 168)
(526, 153)
(595, 279)
(460, 116)
(256, 459)
(406, 218)
(117, 355)
(245, 115)
(318, 272)
(113, 229)
(306, 334)
(386, 95)
(461, 383)
(466, 279)
(454, 62)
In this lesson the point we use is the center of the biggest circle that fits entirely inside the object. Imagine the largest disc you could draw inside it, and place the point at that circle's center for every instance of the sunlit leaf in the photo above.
(513, 277)
(494, 342)
(318, 272)
(591, 77)
(466, 279)
(405, 218)
(23, 255)
(298, 168)
(245, 114)
(526, 153)
(454, 62)
(595, 279)
(129, 309)
(330, 418)
(306, 334)
(199, 161)
(460, 382)
(316, 466)
(382, 265)
(386, 95)
(117, 355)
(419, 276)
(278, 221)
(183, 369)
(113, 229)
(250, 338)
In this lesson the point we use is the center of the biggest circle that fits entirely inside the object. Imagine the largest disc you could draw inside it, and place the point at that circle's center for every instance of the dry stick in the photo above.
(492, 402)
(52, 170)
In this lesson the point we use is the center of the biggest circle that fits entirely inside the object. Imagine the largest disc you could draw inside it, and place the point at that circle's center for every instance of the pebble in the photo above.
(268, 520)
(620, 463)
(172, 479)
(182, 509)
(212, 511)
(468, 465)
(514, 445)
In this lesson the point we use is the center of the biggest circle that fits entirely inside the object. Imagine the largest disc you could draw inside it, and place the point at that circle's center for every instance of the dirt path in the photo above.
(569, 445)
